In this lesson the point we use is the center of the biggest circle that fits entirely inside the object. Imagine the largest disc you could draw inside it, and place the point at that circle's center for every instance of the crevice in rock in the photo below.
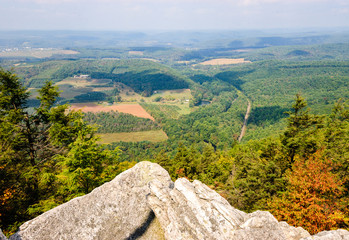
(143, 228)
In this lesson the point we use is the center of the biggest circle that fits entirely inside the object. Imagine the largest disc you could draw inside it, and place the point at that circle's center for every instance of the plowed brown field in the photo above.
(134, 109)
(224, 61)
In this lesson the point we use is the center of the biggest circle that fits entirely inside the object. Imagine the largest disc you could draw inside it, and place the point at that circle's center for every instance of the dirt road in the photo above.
(243, 129)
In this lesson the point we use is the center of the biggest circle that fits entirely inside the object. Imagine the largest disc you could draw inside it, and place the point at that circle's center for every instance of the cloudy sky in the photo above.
(171, 14)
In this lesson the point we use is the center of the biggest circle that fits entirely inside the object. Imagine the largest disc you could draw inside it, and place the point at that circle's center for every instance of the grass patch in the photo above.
(152, 136)
(173, 95)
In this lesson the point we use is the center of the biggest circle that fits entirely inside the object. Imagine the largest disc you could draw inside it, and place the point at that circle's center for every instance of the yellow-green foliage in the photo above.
(152, 136)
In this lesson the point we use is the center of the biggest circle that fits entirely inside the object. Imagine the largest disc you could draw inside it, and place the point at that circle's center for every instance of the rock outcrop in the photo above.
(116, 210)
(143, 203)
(2, 236)
(194, 211)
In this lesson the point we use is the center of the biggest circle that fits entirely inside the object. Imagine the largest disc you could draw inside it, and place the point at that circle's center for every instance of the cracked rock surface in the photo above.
(194, 211)
(116, 210)
(143, 203)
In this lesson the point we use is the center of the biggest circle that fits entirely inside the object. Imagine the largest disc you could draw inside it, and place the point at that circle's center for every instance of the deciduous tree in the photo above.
(312, 198)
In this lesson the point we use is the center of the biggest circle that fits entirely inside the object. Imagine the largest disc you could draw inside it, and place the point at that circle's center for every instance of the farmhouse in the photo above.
(82, 76)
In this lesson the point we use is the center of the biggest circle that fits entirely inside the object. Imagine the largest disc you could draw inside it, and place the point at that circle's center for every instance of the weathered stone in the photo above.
(2, 236)
(115, 210)
(293, 233)
(143, 203)
(339, 234)
(263, 225)
(193, 211)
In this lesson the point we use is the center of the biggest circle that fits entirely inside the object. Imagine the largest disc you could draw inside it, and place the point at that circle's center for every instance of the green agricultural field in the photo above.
(152, 136)
(172, 95)
(179, 98)
(72, 87)
(69, 92)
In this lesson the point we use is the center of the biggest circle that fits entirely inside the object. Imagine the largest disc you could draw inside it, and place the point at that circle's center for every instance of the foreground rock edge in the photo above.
(143, 203)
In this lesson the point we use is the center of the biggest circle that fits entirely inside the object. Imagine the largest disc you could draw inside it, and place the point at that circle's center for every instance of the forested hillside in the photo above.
(143, 76)
(272, 85)
(292, 160)
(300, 176)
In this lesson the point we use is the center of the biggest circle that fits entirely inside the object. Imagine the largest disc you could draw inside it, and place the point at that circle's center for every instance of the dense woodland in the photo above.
(293, 160)
(112, 122)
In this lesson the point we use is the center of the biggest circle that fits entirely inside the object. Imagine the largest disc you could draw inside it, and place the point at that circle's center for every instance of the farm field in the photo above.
(152, 136)
(79, 82)
(173, 95)
(72, 87)
(138, 53)
(69, 92)
(176, 97)
(134, 109)
(183, 107)
(224, 61)
(179, 98)
(127, 94)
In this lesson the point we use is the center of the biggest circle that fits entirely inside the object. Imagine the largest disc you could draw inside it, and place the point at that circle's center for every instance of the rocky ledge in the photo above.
(143, 203)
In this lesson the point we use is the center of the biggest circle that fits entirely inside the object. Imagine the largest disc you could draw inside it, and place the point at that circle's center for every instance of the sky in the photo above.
(138, 15)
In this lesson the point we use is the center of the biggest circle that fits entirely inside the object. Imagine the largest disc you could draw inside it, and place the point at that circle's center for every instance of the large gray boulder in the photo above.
(115, 210)
(143, 203)
(339, 234)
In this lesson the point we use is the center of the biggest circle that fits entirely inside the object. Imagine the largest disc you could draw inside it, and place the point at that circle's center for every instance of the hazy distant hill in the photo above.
(196, 39)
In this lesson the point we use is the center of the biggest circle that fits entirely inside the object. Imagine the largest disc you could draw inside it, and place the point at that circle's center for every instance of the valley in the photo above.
(251, 115)
(169, 91)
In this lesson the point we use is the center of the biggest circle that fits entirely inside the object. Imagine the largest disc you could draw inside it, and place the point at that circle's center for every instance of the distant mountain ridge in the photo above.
(201, 39)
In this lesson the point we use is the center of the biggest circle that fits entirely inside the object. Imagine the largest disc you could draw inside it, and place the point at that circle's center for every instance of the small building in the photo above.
(82, 76)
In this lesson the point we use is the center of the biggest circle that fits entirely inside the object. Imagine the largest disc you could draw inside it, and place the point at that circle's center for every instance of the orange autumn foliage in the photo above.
(312, 197)
(5, 197)
(181, 172)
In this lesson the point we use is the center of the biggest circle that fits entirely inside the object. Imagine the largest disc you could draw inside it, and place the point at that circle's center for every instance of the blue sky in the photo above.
(171, 14)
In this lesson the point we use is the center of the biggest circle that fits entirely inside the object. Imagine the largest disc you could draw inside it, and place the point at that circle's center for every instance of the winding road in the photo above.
(243, 129)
